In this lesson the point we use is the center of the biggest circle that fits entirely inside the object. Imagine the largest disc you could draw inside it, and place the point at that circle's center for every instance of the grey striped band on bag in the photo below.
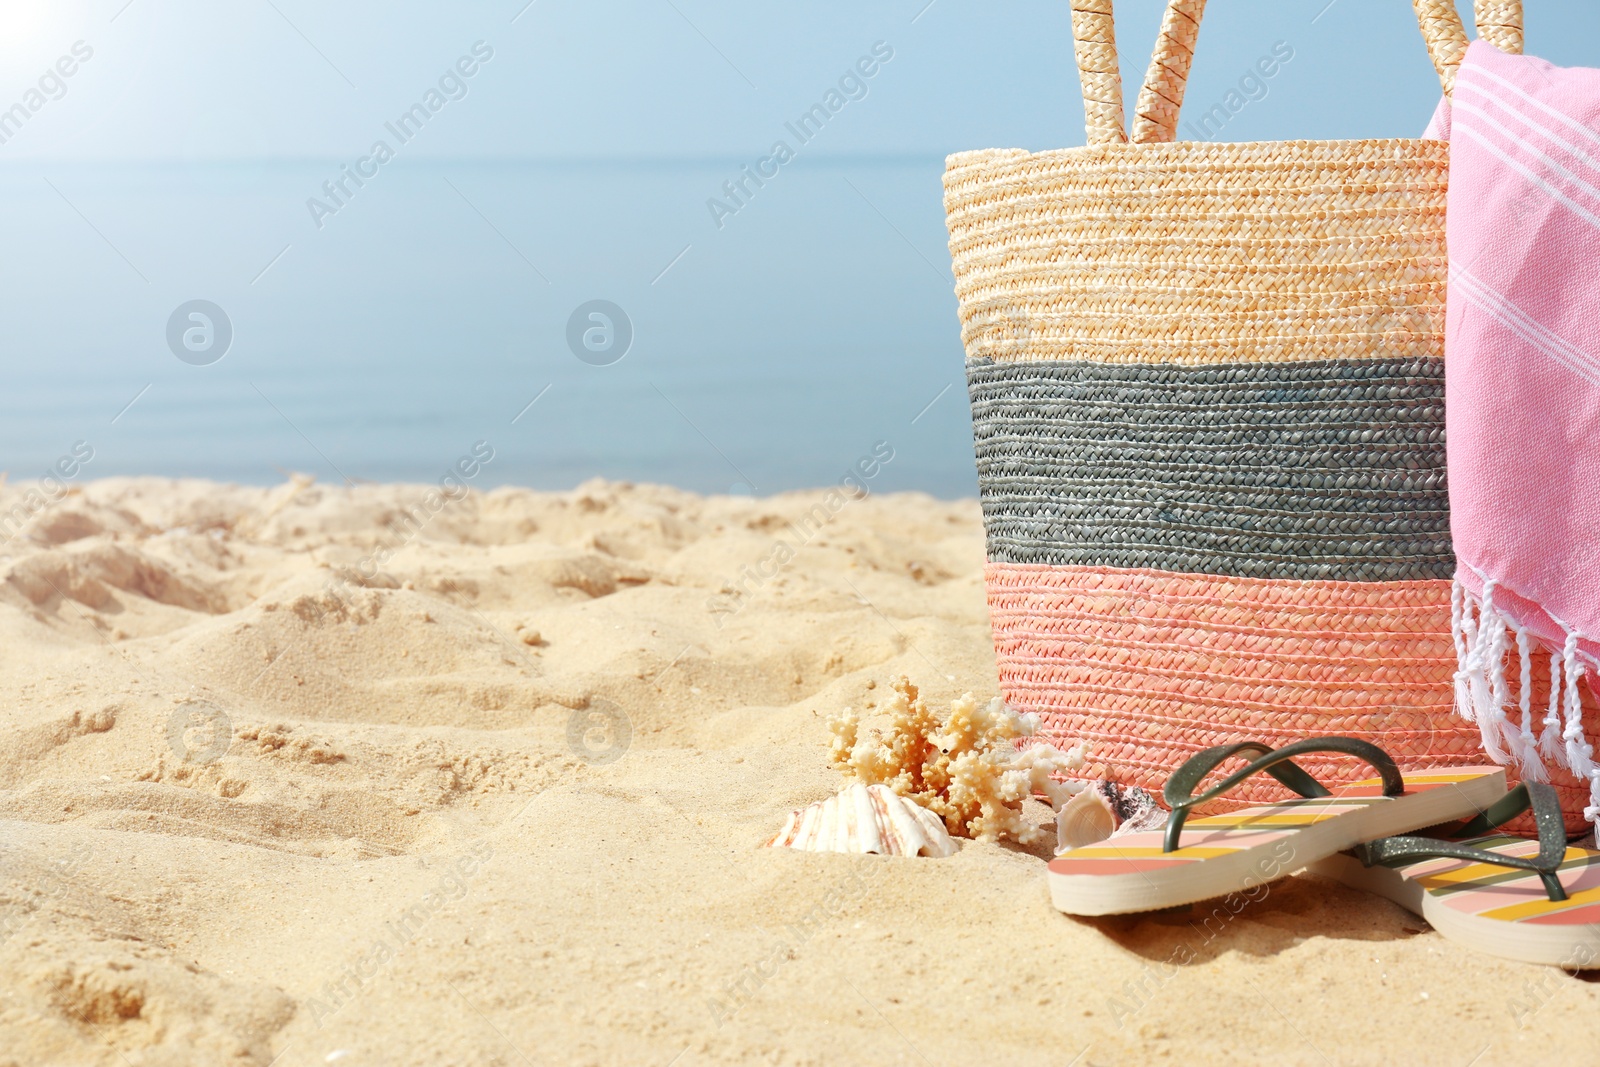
(1326, 469)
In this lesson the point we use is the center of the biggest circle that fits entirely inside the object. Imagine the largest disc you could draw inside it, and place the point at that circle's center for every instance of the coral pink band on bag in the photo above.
(1151, 667)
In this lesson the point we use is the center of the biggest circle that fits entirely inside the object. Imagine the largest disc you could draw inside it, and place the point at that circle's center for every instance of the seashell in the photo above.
(1084, 820)
(866, 818)
(1103, 810)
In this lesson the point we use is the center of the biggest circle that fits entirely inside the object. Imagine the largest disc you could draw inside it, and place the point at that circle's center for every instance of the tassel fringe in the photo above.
(1483, 638)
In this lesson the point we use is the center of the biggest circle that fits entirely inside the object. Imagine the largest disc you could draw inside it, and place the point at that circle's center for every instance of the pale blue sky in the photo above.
(423, 315)
(192, 80)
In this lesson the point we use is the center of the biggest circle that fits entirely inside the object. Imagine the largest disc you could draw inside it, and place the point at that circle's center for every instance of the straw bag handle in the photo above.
(1161, 97)
(1499, 23)
(1094, 41)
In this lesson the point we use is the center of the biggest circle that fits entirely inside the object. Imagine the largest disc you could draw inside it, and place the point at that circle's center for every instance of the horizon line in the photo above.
(648, 159)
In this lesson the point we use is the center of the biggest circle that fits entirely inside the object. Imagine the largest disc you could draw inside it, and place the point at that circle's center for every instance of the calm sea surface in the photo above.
(433, 306)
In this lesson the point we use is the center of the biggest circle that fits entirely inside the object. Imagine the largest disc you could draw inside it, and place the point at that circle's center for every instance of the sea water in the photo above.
(442, 303)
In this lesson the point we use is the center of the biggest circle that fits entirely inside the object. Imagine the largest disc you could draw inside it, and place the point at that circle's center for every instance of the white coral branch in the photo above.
(966, 767)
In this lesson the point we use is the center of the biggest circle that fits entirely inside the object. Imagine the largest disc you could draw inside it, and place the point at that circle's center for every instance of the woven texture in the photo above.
(1201, 253)
(1446, 37)
(1332, 470)
(1095, 45)
(1161, 98)
(1498, 21)
(1157, 666)
(1207, 385)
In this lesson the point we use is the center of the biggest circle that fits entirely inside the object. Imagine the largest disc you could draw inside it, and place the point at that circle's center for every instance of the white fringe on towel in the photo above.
(1483, 637)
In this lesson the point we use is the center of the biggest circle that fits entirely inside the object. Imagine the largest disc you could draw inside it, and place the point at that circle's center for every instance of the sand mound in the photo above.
(308, 775)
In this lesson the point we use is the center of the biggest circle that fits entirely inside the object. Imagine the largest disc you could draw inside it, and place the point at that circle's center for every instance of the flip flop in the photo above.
(1198, 859)
(1533, 901)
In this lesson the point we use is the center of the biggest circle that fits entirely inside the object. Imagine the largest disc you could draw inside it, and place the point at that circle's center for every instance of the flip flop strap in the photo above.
(1179, 790)
(1394, 851)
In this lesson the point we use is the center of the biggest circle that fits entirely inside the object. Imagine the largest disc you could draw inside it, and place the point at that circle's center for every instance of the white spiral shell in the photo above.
(1104, 810)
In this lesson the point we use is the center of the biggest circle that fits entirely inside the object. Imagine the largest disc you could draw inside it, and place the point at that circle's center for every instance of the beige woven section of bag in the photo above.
(1193, 252)
(1205, 252)
(1207, 392)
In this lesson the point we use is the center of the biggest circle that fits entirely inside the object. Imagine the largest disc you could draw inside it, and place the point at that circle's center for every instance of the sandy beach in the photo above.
(309, 774)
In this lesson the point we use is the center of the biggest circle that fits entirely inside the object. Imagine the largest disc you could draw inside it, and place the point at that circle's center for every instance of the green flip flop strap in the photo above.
(1179, 790)
(1397, 851)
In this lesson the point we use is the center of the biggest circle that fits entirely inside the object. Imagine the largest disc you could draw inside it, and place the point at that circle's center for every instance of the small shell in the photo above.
(866, 818)
(1084, 820)
(1104, 810)
(1137, 811)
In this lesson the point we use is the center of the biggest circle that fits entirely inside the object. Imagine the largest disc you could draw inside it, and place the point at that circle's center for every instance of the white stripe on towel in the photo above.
(1525, 326)
(1553, 164)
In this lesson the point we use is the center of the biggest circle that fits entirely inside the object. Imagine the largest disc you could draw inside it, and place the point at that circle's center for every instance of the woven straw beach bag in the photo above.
(1207, 388)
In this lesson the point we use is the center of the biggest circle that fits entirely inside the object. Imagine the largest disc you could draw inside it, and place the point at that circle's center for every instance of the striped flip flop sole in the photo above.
(1498, 910)
(1224, 854)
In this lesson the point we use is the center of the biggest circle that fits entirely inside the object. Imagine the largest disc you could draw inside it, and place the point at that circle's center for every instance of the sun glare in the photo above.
(22, 22)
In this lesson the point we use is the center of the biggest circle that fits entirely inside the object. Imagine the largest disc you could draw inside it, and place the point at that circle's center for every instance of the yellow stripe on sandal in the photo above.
(1197, 859)
(1533, 901)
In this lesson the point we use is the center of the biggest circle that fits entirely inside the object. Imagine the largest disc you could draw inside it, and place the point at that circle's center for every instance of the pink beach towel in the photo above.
(1522, 407)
